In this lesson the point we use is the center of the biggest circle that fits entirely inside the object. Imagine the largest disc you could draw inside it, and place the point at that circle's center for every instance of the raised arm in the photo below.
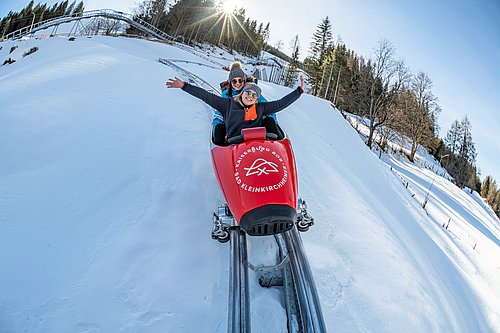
(280, 104)
(217, 102)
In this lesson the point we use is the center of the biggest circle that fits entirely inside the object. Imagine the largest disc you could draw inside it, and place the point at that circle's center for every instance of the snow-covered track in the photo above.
(102, 13)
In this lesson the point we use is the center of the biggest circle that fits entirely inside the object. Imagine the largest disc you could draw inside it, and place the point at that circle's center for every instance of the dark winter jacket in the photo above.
(234, 112)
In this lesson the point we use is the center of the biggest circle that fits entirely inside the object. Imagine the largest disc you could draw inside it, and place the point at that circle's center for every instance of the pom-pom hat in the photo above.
(236, 71)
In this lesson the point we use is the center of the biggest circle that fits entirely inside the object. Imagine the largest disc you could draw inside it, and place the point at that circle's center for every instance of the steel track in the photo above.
(309, 314)
(292, 274)
(193, 78)
(105, 13)
(239, 299)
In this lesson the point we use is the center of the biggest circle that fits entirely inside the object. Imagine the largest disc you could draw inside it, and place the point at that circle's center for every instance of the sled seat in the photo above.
(219, 135)
(272, 127)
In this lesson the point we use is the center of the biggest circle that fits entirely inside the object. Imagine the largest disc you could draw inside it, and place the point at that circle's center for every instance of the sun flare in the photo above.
(228, 6)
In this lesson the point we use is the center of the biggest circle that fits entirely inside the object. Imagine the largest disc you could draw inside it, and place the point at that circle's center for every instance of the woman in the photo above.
(233, 86)
(243, 110)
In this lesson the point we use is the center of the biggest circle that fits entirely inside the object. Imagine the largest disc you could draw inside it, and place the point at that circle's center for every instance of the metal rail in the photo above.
(294, 321)
(196, 63)
(192, 77)
(134, 21)
(294, 276)
(309, 307)
(239, 299)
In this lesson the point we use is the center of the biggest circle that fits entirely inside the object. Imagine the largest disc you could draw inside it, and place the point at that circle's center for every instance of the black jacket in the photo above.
(234, 112)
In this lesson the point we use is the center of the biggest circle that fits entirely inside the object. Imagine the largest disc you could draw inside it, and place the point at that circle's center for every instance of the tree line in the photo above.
(32, 14)
(491, 193)
(460, 163)
(204, 21)
(384, 91)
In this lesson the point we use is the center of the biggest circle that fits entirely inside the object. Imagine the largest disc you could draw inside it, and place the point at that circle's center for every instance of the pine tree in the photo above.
(467, 146)
(492, 193)
(79, 9)
(338, 83)
(36, 13)
(462, 163)
(267, 32)
(496, 203)
(321, 45)
(69, 9)
(293, 65)
(61, 9)
(322, 40)
(485, 187)
(453, 136)
(474, 181)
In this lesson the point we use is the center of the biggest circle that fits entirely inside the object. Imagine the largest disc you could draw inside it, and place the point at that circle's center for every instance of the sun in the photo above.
(228, 6)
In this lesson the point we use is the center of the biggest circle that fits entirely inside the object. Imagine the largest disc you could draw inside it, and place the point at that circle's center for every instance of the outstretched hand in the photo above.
(175, 83)
(302, 83)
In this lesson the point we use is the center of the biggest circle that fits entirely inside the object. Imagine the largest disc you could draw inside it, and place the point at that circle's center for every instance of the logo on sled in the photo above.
(267, 165)
(261, 166)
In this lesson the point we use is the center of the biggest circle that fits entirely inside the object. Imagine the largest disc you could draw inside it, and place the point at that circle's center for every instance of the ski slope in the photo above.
(107, 191)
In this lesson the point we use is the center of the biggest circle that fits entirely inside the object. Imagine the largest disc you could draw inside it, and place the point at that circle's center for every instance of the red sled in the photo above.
(258, 178)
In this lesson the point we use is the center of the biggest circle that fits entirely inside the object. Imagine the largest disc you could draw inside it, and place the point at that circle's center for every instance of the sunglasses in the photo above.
(250, 93)
(236, 81)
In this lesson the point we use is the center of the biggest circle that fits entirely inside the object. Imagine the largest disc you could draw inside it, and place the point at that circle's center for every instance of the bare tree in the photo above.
(158, 11)
(415, 111)
(104, 26)
(279, 45)
(393, 112)
(383, 71)
(152, 11)
(426, 111)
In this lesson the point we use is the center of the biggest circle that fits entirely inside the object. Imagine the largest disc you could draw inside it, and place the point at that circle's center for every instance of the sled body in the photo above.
(258, 179)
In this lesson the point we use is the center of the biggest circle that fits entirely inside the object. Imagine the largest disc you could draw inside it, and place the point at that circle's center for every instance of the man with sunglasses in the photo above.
(243, 110)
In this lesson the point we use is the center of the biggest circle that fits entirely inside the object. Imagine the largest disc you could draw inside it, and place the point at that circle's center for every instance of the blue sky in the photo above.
(456, 42)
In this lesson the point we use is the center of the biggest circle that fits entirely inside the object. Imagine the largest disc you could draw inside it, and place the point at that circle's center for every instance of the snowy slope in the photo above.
(107, 190)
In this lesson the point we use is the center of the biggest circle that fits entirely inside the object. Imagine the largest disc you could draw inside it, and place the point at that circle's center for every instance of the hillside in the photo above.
(107, 191)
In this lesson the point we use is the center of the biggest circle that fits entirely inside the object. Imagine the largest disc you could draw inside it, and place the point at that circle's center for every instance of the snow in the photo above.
(107, 191)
